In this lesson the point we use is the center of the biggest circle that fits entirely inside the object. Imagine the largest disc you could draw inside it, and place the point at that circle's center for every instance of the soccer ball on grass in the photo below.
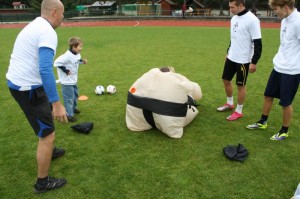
(111, 89)
(99, 90)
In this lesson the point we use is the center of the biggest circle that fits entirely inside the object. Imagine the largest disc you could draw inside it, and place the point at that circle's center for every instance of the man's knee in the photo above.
(269, 99)
(49, 139)
(226, 82)
(241, 88)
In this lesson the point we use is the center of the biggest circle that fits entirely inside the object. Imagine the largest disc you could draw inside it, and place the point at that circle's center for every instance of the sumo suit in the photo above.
(162, 100)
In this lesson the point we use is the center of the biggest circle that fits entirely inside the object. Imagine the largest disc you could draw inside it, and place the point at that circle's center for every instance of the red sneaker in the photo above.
(234, 116)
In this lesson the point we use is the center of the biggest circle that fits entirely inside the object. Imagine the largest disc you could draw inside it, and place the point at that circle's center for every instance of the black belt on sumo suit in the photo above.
(150, 105)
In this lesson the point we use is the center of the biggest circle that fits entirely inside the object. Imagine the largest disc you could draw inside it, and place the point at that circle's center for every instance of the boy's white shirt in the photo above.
(71, 62)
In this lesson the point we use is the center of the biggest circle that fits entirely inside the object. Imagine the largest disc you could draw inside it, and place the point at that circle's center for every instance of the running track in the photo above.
(182, 23)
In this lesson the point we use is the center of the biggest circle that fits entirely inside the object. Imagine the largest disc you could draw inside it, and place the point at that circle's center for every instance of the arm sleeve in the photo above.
(46, 56)
(257, 51)
(228, 47)
(64, 69)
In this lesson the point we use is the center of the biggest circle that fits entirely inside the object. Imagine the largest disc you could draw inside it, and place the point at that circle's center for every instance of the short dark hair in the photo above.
(74, 41)
(238, 2)
(167, 69)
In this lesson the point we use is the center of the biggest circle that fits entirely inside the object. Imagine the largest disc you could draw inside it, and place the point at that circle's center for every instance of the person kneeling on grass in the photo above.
(164, 100)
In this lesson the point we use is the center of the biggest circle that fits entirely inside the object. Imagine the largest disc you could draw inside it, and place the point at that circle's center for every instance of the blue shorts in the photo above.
(241, 70)
(282, 86)
(37, 109)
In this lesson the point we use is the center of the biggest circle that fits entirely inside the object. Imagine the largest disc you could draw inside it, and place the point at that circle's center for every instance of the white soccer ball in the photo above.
(111, 89)
(99, 90)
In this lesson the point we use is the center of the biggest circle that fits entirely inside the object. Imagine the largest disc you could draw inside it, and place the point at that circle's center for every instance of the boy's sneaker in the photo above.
(76, 111)
(234, 116)
(50, 184)
(72, 119)
(225, 107)
(57, 153)
(280, 136)
(257, 125)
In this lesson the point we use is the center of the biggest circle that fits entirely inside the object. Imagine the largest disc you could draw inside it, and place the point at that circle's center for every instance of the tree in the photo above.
(68, 4)
(221, 8)
(253, 6)
(35, 4)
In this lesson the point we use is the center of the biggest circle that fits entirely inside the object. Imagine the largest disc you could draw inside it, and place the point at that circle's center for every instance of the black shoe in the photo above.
(57, 153)
(72, 119)
(76, 111)
(49, 184)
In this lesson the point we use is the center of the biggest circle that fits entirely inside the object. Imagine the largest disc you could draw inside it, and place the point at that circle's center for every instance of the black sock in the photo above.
(284, 129)
(42, 180)
(263, 119)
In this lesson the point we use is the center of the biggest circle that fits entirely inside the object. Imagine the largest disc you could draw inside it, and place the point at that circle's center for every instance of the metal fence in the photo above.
(17, 17)
(25, 17)
(121, 14)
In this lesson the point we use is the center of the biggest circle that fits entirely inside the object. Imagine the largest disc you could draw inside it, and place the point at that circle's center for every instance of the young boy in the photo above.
(67, 70)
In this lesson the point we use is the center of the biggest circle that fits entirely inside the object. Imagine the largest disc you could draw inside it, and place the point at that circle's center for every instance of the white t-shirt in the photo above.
(287, 59)
(23, 68)
(244, 29)
(71, 62)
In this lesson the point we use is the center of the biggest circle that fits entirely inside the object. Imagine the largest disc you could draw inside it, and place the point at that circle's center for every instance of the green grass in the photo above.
(113, 162)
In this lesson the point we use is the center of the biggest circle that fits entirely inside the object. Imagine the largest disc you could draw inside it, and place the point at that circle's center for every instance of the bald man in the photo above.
(31, 82)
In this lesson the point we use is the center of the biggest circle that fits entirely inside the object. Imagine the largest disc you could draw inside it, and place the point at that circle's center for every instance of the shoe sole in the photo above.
(225, 110)
(43, 191)
(278, 139)
(228, 118)
(233, 119)
(256, 128)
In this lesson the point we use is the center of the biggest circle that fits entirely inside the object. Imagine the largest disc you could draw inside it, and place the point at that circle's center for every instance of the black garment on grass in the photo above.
(84, 128)
(237, 153)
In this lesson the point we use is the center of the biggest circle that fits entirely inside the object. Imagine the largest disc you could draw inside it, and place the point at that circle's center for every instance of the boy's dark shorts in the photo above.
(283, 87)
(241, 70)
(36, 107)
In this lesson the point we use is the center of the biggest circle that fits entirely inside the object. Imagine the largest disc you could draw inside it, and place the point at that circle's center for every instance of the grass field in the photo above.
(113, 162)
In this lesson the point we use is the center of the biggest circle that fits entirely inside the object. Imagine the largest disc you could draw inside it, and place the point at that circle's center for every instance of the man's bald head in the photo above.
(52, 10)
(48, 6)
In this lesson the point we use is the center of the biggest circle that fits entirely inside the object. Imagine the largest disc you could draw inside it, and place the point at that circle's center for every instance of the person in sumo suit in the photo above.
(164, 100)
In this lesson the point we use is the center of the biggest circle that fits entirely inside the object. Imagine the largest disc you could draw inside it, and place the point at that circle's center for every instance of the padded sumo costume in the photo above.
(164, 100)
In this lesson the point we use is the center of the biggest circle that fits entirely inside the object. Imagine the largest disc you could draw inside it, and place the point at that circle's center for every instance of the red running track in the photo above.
(182, 23)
